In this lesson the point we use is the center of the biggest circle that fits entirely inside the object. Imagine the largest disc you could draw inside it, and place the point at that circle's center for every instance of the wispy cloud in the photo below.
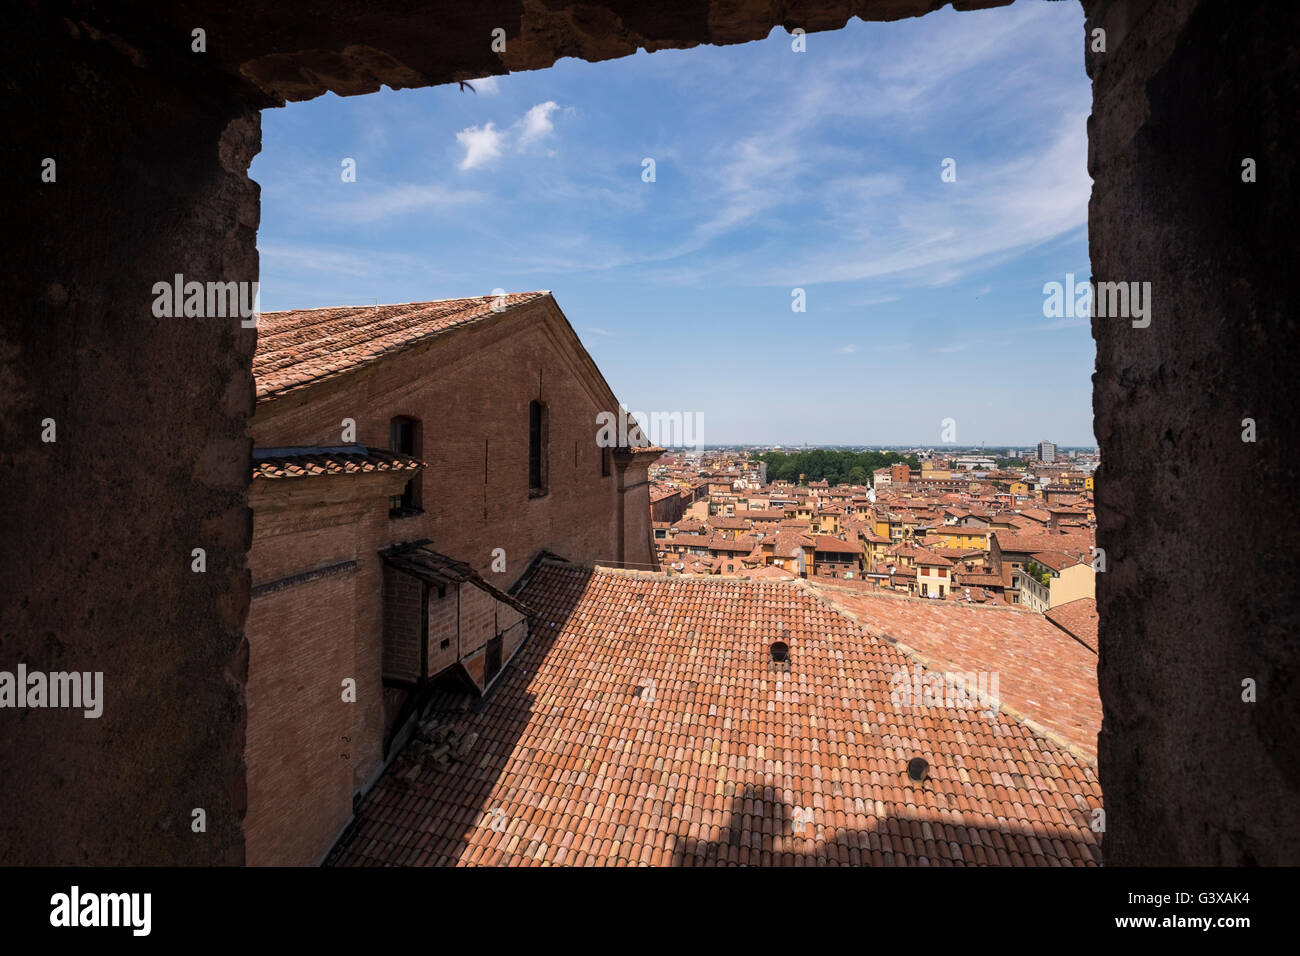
(313, 259)
(374, 205)
(848, 349)
(939, 237)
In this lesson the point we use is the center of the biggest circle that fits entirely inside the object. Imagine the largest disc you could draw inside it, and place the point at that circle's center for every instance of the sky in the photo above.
(774, 171)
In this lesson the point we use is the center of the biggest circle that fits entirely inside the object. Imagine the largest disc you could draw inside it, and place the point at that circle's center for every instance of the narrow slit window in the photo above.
(537, 450)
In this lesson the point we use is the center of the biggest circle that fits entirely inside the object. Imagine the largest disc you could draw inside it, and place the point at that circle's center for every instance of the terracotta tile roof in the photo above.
(744, 544)
(311, 461)
(1043, 674)
(956, 554)
(1042, 541)
(768, 572)
(1056, 560)
(644, 723)
(729, 524)
(830, 543)
(929, 558)
(785, 543)
(900, 572)
(977, 579)
(304, 346)
(1078, 619)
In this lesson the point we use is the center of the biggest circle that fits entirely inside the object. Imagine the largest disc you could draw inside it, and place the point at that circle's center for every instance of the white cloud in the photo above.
(848, 349)
(482, 144)
(536, 124)
(486, 143)
(599, 331)
(486, 85)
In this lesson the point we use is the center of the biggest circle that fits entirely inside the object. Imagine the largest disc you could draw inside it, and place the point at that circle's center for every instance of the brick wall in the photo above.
(669, 508)
(403, 611)
(443, 622)
(514, 634)
(478, 618)
(298, 758)
(472, 395)
(305, 639)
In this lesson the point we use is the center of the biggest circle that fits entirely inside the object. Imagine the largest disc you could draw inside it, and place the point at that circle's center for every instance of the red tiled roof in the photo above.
(731, 524)
(768, 571)
(304, 346)
(643, 723)
(830, 543)
(1078, 619)
(343, 460)
(922, 556)
(1042, 541)
(1043, 674)
(785, 543)
(977, 579)
(1056, 560)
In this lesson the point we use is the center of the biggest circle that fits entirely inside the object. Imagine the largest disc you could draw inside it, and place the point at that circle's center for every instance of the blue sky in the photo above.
(774, 170)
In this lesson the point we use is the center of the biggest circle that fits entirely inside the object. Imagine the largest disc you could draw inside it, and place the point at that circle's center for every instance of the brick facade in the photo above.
(470, 392)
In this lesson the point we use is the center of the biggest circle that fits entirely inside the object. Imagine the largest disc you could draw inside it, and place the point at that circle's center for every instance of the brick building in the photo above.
(410, 462)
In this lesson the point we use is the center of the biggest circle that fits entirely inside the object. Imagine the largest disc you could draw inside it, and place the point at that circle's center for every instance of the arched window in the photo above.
(405, 437)
(537, 448)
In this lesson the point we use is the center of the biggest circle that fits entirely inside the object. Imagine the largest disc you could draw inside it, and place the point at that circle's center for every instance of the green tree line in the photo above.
(835, 467)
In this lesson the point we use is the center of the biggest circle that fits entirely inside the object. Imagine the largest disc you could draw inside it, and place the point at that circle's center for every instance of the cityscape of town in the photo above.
(1017, 529)
(568, 644)
(337, 540)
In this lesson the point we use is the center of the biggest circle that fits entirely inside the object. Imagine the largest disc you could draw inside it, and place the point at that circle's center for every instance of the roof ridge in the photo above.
(325, 320)
(384, 305)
